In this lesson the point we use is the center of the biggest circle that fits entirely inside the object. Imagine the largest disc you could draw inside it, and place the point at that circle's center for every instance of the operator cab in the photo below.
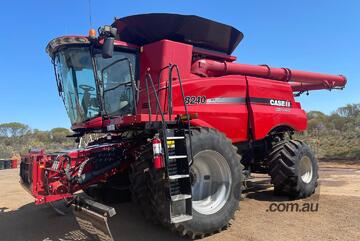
(96, 75)
(90, 84)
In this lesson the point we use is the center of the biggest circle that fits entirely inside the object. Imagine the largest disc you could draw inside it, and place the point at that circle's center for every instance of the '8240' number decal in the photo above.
(194, 100)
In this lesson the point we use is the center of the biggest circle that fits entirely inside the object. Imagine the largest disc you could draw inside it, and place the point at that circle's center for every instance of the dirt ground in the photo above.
(337, 216)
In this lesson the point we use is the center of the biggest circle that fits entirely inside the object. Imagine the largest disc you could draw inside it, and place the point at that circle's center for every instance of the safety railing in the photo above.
(169, 111)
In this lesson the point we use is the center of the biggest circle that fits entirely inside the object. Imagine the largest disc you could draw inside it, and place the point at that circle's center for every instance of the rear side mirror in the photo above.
(108, 48)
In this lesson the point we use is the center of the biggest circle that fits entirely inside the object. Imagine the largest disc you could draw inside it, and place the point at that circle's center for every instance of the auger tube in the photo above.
(299, 80)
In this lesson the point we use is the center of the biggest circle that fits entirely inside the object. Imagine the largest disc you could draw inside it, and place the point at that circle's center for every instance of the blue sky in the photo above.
(320, 35)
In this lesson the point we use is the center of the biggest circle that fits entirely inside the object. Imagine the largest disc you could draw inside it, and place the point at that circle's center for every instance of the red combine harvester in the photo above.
(183, 125)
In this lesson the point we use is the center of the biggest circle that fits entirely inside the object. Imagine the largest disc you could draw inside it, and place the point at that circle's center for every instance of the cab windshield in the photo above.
(85, 92)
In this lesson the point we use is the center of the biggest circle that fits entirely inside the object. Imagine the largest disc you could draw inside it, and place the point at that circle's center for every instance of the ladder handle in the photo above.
(148, 94)
(148, 76)
(185, 106)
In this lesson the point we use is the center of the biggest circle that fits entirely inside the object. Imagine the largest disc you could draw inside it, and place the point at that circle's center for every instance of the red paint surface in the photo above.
(214, 78)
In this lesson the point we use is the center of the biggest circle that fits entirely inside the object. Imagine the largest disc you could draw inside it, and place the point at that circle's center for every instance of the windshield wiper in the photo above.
(112, 64)
(116, 86)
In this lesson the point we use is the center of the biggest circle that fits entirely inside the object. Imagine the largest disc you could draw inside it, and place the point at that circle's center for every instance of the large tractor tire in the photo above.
(140, 181)
(293, 169)
(217, 180)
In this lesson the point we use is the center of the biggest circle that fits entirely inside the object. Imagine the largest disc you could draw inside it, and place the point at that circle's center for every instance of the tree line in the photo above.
(336, 135)
(18, 138)
(345, 118)
(331, 136)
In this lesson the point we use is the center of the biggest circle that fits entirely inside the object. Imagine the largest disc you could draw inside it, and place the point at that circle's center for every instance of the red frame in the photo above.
(39, 162)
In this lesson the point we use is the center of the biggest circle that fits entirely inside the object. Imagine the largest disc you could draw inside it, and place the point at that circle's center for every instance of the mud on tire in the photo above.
(293, 169)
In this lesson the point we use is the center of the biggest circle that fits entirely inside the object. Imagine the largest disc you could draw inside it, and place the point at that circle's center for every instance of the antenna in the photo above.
(90, 19)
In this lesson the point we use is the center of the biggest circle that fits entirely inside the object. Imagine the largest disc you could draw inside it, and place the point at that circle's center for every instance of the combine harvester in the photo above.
(183, 124)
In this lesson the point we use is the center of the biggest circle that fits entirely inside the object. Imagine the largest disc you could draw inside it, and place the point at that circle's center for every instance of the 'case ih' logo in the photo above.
(282, 103)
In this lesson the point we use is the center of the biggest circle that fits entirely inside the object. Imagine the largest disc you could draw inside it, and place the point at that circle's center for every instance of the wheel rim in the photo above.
(211, 182)
(306, 170)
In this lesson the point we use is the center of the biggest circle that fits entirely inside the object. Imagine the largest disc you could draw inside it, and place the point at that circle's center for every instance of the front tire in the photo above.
(216, 185)
(216, 168)
(293, 169)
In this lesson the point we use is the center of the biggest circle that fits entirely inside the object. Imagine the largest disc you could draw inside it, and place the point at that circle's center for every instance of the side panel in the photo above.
(273, 105)
(155, 57)
(219, 102)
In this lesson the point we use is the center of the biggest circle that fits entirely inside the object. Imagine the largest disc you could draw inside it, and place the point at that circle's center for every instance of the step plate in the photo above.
(93, 223)
(178, 176)
(179, 197)
(177, 157)
(180, 218)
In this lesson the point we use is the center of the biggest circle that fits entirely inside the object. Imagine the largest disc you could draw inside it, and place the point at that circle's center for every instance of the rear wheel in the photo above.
(217, 178)
(293, 169)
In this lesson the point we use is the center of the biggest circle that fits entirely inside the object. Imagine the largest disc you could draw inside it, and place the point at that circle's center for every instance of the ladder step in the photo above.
(175, 137)
(180, 197)
(177, 157)
(181, 218)
(174, 177)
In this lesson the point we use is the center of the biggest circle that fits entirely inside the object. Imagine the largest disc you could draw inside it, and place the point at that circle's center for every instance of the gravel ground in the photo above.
(335, 213)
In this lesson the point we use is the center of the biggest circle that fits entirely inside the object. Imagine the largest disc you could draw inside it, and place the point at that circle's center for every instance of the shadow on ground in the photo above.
(41, 223)
(262, 190)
